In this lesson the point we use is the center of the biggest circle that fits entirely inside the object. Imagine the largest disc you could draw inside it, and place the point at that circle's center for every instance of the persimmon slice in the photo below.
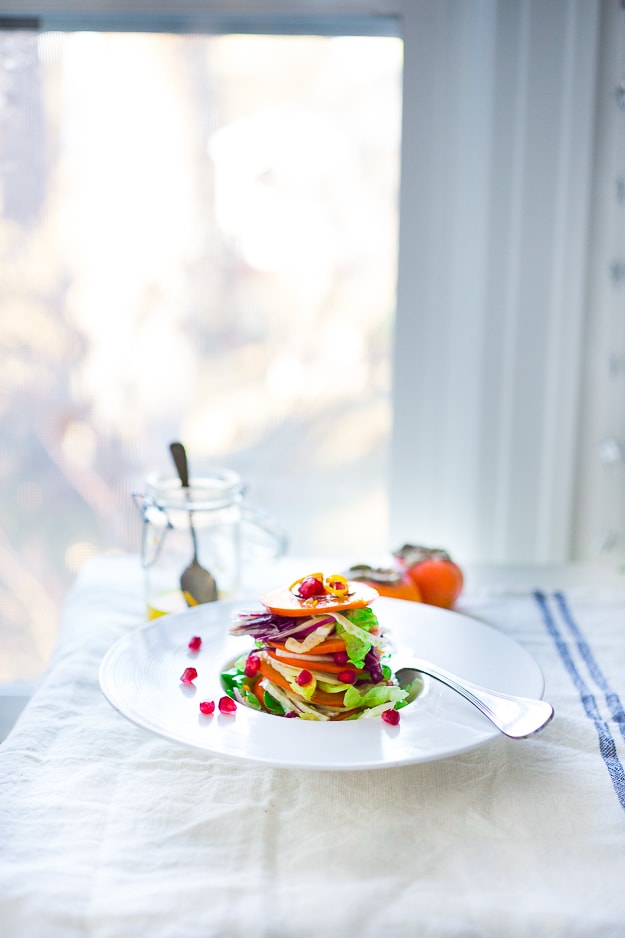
(284, 602)
(327, 667)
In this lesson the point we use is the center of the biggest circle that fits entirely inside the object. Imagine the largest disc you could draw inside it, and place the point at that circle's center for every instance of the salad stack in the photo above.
(318, 654)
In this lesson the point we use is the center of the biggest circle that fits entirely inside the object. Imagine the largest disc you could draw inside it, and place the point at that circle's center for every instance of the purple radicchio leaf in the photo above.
(268, 626)
(373, 666)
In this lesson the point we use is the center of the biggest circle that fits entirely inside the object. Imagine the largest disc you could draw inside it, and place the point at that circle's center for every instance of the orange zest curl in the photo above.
(337, 585)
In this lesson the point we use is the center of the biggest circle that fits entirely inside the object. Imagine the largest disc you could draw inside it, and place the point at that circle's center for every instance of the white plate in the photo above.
(140, 676)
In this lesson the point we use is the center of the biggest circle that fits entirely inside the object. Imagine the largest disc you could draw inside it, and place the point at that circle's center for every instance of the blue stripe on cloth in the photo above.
(607, 746)
(612, 698)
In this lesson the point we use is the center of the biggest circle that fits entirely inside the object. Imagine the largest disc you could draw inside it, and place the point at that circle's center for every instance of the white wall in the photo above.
(494, 239)
(600, 498)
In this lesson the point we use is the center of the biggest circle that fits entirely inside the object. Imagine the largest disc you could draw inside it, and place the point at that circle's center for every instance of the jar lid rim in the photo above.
(212, 487)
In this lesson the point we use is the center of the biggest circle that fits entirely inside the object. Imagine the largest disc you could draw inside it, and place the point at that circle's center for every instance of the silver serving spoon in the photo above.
(197, 584)
(516, 717)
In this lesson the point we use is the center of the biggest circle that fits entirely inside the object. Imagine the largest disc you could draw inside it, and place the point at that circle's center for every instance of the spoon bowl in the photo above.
(197, 584)
(516, 717)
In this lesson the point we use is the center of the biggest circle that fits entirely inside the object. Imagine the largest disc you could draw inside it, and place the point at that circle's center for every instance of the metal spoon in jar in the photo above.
(516, 717)
(197, 584)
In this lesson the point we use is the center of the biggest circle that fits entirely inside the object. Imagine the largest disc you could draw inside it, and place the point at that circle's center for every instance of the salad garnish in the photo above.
(319, 654)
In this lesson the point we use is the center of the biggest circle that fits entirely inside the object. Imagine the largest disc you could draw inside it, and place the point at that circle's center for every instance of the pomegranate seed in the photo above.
(340, 657)
(347, 677)
(303, 678)
(207, 707)
(196, 643)
(227, 705)
(291, 714)
(252, 666)
(391, 716)
(311, 586)
(188, 676)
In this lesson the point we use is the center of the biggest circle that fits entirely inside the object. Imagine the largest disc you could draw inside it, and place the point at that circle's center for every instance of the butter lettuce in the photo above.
(355, 633)
(373, 695)
(336, 687)
(355, 647)
(364, 618)
(234, 678)
(273, 705)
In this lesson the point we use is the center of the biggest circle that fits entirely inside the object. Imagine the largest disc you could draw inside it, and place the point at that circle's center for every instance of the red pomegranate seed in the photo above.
(227, 705)
(207, 707)
(252, 666)
(340, 657)
(347, 677)
(196, 643)
(391, 716)
(310, 587)
(291, 714)
(188, 676)
(303, 678)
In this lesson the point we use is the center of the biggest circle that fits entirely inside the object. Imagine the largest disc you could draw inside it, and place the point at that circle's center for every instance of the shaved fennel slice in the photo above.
(291, 702)
(290, 672)
(362, 634)
(375, 711)
(280, 653)
(315, 638)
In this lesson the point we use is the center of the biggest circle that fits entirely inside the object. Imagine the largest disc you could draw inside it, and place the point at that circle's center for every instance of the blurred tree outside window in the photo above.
(198, 241)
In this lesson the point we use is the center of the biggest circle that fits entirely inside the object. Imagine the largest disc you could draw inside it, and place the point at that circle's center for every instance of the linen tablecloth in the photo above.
(107, 830)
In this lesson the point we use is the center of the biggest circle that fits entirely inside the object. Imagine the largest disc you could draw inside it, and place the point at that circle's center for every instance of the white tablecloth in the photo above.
(109, 830)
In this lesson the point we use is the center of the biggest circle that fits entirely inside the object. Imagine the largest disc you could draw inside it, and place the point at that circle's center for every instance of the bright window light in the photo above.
(198, 241)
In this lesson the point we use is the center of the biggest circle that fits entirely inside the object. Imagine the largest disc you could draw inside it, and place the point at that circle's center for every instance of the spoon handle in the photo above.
(515, 716)
(179, 457)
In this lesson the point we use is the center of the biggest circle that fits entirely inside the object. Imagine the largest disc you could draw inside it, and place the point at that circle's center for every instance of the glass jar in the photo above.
(209, 523)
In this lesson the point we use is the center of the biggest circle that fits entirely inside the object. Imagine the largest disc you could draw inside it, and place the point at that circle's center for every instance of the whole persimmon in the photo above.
(394, 582)
(438, 578)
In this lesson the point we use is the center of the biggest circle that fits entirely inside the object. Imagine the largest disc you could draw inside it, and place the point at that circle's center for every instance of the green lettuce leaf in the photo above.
(357, 646)
(272, 704)
(335, 688)
(250, 699)
(364, 618)
(232, 679)
(372, 695)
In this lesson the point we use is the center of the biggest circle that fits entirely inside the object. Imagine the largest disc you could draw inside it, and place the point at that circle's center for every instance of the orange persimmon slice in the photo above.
(328, 647)
(327, 667)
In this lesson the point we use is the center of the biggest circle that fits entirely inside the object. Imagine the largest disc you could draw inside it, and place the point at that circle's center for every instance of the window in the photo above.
(450, 415)
(198, 241)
